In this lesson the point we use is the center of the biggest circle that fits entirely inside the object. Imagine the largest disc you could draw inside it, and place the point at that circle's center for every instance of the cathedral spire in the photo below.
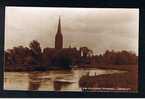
(59, 26)
(59, 36)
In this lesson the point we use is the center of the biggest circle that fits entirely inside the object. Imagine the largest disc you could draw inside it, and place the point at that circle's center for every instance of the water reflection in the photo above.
(34, 81)
(59, 85)
(55, 80)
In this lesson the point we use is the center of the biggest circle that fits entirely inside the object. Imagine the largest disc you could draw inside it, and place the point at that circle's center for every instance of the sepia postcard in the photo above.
(71, 49)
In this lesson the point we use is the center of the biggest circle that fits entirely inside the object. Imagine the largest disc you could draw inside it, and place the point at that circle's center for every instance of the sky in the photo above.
(98, 29)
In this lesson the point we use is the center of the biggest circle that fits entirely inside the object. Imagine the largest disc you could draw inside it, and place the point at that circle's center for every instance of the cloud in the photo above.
(99, 29)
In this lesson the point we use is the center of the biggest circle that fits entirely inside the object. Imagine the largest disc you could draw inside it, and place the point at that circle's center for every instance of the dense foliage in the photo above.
(34, 56)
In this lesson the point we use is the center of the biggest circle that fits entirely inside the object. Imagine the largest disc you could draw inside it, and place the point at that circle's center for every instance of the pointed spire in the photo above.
(59, 37)
(59, 26)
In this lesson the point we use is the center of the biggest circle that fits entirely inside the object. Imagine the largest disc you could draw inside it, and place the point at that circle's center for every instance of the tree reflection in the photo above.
(58, 85)
(34, 81)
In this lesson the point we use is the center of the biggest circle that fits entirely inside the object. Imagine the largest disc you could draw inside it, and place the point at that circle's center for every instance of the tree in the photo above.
(86, 55)
(120, 58)
(36, 52)
(62, 59)
(86, 51)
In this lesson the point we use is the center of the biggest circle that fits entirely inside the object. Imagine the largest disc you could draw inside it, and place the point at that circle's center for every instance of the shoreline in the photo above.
(104, 67)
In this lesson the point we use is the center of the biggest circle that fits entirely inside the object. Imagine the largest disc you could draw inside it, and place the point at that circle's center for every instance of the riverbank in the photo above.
(33, 68)
(126, 81)
(44, 68)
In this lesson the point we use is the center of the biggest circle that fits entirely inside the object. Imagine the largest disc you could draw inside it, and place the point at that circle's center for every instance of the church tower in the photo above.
(59, 37)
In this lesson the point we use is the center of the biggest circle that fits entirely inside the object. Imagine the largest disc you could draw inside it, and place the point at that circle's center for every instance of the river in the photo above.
(53, 80)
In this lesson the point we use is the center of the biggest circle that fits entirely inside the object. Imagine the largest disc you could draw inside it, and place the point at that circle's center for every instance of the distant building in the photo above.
(49, 53)
(59, 37)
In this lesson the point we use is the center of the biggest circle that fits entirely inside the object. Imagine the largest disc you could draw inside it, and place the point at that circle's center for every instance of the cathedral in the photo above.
(59, 50)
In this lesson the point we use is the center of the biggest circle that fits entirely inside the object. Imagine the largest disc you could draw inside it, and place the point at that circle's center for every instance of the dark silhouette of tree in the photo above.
(35, 52)
(109, 57)
(34, 58)
(117, 58)
(86, 52)
(62, 59)
(48, 56)
(125, 57)
(8, 58)
(18, 55)
(86, 55)
(98, 59)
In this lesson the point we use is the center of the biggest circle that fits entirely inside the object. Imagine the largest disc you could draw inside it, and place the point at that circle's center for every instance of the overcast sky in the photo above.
(98, 29)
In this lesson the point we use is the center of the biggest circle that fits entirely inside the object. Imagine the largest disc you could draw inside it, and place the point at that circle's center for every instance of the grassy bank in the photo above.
(128, 80)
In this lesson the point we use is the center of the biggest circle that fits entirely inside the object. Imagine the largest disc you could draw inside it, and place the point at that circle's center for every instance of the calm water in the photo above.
(54, 80)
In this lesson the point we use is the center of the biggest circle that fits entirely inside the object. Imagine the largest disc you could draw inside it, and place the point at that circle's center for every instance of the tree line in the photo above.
(31, 56)
(116, 58)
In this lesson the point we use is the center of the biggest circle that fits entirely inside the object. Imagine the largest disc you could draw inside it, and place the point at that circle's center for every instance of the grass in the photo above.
(127, 80)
